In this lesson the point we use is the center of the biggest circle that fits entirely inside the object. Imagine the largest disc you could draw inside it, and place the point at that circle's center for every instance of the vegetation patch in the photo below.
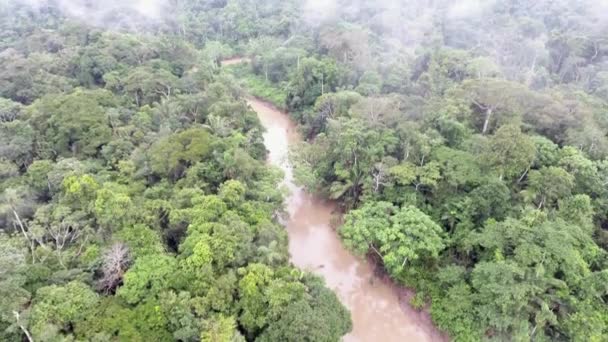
(258, 86)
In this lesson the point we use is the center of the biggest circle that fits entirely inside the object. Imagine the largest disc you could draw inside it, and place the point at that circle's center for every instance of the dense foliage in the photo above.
(135, 201)
(466, 139)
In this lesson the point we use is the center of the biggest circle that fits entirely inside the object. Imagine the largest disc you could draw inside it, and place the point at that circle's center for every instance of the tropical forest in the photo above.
(303, 170)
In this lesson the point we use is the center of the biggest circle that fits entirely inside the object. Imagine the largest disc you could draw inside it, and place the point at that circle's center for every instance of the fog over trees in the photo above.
(465, 143)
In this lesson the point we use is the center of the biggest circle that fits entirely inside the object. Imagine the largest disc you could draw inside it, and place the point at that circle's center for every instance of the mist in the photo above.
(513, 34)
(129, 14)
(463, 9)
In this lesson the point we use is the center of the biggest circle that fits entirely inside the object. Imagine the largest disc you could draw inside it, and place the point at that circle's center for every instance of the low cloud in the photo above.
(464, 9)
(106, 13)
(319, 11)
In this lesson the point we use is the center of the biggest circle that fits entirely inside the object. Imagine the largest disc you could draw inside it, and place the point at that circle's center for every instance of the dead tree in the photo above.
(115, 263)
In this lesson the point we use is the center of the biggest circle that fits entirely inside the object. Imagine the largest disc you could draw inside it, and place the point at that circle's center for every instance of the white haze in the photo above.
(403, 13)
(320, 10)
(463, 9)
(106, 13)
(317, 11)
(408, 21)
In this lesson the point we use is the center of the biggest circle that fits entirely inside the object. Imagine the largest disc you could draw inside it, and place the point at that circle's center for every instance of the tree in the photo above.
(455, 311)
(149, 276)
(352, 151)
(24, 79)
(273, 61)
(112, 318)
(137, 206)
(465, 147)
(413, 235)
(37, 177)
(510, 153)
(140, 240)
(14, 298)
(458, 168)
(377, 111)
(179, 309)
(300, 322)
(398, 236)
(46, 177)
(502, 296)
(147, 84)
(220, 329)
(313, 319)
(550, 184)
(535, 263)
(217, 51)
(310, 80)
(445, 68)
(232, 192)
(491, 200)
(16, 204)
(113, 207)
(252, 299)
(115, 263)
(348, 43)
(330, 106)
(361, 226)
(9, 110)
(59, 308)
(79, 191)
(426, 175)
(494, 97)
(17, 143)
(171, 155)
(62, 231)
(73, 124)
(370, 84)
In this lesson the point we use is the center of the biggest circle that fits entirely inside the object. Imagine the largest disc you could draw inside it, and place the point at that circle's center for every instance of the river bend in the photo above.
(377, 312)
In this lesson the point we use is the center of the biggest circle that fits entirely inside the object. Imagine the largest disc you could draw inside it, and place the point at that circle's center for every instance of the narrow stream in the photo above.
(375, 307)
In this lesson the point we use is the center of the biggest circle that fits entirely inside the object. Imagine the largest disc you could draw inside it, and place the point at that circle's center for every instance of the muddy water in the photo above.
(235, 60)
(377, 312)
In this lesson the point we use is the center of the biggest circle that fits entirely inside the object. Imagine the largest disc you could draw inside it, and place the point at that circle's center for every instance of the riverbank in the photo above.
(380, 309)
(256, 86)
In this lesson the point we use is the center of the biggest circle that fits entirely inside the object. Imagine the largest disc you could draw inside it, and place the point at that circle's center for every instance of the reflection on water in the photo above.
(315, 246)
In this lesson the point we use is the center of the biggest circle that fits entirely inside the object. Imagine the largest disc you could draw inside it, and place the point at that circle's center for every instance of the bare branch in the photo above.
(115, 262)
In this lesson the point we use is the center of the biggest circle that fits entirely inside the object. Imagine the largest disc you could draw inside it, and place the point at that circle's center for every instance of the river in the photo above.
(377, 312)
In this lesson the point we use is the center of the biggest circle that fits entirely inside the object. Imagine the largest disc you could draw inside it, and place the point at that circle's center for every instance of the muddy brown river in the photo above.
(377, 312)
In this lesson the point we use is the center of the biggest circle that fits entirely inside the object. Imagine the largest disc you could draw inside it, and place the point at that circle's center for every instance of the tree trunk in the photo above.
(322, 84)
(523, 175)
(27, 238)
(542, 202)
(376, 251)
(486, 123)
(22, 327)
